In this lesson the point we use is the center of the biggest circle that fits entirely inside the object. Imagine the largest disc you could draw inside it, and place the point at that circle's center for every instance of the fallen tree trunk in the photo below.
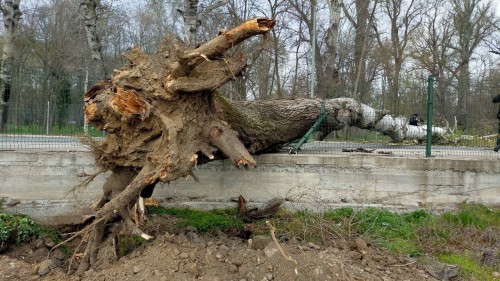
(263, 124)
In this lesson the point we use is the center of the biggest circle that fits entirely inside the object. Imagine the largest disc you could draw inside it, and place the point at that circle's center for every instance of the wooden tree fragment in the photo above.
(160, 115)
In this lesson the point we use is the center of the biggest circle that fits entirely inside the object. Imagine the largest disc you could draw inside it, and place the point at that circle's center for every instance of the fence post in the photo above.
(430, 97)
(85, 121)
(48, 116)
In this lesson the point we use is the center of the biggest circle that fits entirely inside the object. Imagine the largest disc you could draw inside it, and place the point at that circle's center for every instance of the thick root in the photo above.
(129, 225)
(90, 255)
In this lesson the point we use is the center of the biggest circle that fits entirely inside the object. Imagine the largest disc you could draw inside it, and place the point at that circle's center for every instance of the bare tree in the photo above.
(360, 22)
(193, 18)
(325, 70)
(404, 19)
(432, 52)
(11, 16)
(331, 72)
(473, 21)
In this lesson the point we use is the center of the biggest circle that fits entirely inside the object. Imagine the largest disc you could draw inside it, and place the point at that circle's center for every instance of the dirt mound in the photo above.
(189, 256)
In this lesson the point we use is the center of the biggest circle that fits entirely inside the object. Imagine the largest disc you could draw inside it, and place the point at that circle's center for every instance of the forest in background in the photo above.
(378, 52)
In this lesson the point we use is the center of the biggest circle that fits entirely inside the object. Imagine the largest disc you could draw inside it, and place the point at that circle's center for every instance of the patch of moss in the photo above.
(470, 269)
(204, 221)
(126, 244)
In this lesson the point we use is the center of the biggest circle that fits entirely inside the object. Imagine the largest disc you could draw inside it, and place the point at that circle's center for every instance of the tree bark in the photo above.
(262, 125)
(326, 88)
(11, 15)
(89, 16)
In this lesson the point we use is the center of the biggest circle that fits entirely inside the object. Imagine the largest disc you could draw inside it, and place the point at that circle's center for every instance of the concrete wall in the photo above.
(40, 183)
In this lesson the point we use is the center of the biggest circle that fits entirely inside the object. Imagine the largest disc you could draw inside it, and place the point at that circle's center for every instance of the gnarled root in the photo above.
(129, 225)
(92, 249)
(118, 205)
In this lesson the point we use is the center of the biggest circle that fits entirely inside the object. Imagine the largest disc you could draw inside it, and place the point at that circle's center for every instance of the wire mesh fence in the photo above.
(355, 141)
(45, 126)
(55, 127)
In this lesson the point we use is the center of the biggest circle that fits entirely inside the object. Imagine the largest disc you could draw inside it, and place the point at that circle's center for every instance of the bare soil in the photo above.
(189, 255)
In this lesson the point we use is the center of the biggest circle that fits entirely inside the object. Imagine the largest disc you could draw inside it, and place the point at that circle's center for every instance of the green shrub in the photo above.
(17, 228)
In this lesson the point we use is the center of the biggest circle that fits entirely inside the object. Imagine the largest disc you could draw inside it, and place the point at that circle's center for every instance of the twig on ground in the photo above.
(344, 274)
(402, 265)
(74, 256)
(272, 229)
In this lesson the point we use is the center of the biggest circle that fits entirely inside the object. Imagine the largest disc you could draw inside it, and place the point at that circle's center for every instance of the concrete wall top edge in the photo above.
(488, 165)
(372, 161)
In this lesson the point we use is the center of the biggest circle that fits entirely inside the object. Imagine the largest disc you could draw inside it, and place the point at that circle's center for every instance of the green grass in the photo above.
(204, 221)
(470, 269)
(370, 137)
(393, 231)
(419, 232)
(475, 215)
(69, 130)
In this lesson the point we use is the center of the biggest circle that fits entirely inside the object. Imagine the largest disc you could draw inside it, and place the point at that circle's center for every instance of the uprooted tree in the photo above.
(163, 114)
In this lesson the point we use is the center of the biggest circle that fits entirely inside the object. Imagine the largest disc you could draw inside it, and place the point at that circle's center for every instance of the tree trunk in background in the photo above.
(330, 79)
(190, 22)
(404, 20)
(11, 15)
(89, 16)
(359, 77)
(193, 18)
(463, 77)
(433, 52)
(473, 23)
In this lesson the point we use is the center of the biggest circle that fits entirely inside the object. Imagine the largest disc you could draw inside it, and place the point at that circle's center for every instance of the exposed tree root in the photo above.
(160, 115)
(250, 215)
(88, 179)
(272, 230)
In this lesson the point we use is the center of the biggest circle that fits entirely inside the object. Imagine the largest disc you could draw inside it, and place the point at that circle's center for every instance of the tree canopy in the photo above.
(377, 52)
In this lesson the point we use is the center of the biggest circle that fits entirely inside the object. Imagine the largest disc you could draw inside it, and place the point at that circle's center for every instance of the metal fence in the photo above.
(355, 141)
(52, 127)
(45, 126)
